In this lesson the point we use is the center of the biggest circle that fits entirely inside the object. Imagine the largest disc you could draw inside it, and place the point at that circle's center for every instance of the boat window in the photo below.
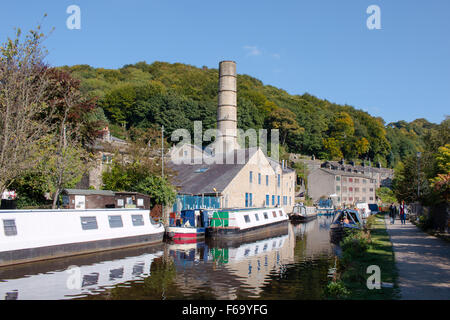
(266, 216)
(256, 217)
(274, 214)
(90, 279)
(115, 221)
(89, 223)
(10, 227)
(247, 218)
(281, 213)
(138, 220)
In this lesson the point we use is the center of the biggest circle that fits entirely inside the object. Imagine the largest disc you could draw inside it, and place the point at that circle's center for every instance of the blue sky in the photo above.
(318, 46)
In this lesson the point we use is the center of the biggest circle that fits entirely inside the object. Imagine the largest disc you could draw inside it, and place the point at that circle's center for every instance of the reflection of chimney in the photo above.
(227, 106)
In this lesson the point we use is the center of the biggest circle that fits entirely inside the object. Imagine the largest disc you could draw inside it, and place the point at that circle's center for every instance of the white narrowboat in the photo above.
(31, 235)
(236, 223)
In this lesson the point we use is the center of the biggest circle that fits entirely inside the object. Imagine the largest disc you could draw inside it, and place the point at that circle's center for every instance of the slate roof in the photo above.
(199, 179)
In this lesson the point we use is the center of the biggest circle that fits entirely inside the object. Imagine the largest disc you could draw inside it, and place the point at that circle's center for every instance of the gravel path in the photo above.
(423, 262)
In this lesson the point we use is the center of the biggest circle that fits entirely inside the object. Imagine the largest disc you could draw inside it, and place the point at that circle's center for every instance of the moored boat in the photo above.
(345, 220)
(188, 227)
(301, 213)
(325, 207)
(241, 223)
(31, 235)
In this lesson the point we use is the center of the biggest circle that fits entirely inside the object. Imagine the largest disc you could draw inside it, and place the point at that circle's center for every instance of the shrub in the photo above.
(336, 290)
(355, 244)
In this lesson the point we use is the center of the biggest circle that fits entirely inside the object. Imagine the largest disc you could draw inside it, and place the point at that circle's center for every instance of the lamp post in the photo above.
(419, 154)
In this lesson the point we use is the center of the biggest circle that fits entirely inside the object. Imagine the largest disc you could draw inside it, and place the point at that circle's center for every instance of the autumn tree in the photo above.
(284, 121)
(25, 114)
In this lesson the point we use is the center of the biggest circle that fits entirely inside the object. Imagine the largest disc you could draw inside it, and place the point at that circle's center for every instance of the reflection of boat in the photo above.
(247, 249)
(31, 235)
(301, 213)
(345, 220)
(189, 227)
(241, 223)
(68, 281)
(302, 229)
(188, 253)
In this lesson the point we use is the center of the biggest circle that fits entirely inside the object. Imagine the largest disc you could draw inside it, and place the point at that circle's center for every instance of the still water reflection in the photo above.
(290, 263)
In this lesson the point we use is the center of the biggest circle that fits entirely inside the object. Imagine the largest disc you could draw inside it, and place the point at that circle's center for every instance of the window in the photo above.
(356, 180)
(364, 181)
(363, 189)
(138, 220)
(251, 176)
(344, 189)
(248, 200)
(344, 179)
(356, 189)
(338, 178)
(265, 215)
(267, 180)
(201, 170)
(274, 214)
(281, 213)
(10, 227)
(350, 199)
(350, 189)
(350, 179)
(273, 200)
(371, 189)
(279, 180)
(89, 223)
(267, 200)
(338, 188)
(371, 198)
(278, 200)
(259, 178)
(290, 202)
(115, 221)
(247, 218)
(256, 217)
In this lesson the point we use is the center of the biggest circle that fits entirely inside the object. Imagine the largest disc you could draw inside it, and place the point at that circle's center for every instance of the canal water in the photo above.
(292, 263)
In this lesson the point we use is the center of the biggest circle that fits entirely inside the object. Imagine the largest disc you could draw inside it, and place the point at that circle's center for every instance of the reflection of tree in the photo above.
(302, 280)
(161, 280)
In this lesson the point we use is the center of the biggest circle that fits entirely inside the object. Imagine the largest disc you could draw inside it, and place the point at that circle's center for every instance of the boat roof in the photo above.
(354, 212)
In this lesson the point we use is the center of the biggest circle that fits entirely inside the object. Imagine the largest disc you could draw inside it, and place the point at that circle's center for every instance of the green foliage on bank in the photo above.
(361, 249)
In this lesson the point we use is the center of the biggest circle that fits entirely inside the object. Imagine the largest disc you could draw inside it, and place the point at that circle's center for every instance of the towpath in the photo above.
(423, 262)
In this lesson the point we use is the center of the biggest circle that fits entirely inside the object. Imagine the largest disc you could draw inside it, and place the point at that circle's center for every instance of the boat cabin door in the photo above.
(80, 202)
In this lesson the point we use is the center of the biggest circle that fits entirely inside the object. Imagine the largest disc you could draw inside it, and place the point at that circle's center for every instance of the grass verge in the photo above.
(360, 250)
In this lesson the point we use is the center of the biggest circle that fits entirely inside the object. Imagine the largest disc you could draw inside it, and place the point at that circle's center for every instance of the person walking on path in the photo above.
(402, 212)
(392, 210)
